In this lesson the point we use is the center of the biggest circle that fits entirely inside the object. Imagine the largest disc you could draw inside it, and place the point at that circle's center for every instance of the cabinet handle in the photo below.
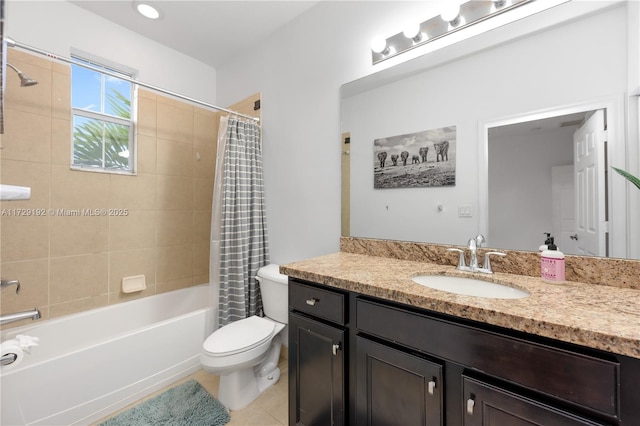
(432, 386)
(312, 301)
(336, 348)
(470, 404)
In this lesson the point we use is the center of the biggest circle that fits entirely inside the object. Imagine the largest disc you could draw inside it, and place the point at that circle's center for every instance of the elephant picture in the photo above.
(421, 159)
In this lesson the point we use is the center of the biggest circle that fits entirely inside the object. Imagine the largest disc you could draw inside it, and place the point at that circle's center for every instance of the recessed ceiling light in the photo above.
(147, 10)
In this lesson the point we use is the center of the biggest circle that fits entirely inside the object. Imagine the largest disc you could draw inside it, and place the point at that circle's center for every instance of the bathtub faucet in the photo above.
(7, 283)
(9, 318)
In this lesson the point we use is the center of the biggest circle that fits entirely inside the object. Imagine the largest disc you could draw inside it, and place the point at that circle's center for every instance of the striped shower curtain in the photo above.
(239, 239)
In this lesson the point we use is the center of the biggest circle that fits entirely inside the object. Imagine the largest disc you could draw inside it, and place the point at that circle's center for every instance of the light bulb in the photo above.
(412, 31)
(379, 45)
(450, 12)
(148, 11)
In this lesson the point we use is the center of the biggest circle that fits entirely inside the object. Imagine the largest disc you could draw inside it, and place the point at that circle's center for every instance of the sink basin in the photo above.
(470, 287)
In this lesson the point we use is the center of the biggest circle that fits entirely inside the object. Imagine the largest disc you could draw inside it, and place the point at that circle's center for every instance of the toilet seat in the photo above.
(239, 336)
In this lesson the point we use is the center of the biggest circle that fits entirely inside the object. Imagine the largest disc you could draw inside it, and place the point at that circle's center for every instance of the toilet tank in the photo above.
(274, 290)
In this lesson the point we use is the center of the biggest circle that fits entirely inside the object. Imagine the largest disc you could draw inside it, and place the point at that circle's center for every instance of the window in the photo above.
(102, 118)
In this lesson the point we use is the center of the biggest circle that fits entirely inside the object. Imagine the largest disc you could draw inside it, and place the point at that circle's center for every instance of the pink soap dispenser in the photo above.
(552, 263)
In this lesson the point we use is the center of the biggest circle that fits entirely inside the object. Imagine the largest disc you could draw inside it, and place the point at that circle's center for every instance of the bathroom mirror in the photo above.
(509, 84)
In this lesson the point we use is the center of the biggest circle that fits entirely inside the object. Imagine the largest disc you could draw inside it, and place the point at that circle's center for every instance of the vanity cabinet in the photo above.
(410, 366)
(317, 348)
(583, 382)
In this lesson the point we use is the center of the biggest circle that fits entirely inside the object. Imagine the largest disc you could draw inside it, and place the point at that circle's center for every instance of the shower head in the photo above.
(25, 80)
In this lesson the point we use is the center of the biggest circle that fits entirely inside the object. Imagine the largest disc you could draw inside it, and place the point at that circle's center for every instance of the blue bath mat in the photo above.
(188, 404)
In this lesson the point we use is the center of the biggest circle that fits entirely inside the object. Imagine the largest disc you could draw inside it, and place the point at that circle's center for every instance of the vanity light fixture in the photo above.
(454, 17)
(147, 9)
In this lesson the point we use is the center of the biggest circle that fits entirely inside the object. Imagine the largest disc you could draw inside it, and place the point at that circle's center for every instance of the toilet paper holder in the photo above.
(13, 350)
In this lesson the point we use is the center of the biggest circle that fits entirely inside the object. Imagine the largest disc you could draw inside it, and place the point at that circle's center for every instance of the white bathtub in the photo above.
(91, 364)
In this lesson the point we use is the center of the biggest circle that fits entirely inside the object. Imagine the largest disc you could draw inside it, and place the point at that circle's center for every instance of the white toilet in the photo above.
(245, 353)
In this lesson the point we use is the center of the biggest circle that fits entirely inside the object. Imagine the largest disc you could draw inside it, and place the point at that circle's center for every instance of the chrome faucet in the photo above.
(9, 318)
(17, 316)
(473, 245)
(7, 283)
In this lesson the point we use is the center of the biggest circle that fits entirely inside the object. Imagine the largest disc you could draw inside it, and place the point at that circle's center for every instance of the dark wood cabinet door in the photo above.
(396, 388)
(487, 405)
(316, 373)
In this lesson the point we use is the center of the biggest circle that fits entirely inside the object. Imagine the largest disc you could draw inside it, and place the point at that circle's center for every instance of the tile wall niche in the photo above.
(71, 264)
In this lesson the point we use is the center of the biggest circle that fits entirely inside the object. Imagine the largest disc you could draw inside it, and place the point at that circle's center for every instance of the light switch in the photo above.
(464, 210)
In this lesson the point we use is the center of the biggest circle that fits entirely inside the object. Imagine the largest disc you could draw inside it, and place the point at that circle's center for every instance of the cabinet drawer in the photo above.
(321, 303)
(580, 379)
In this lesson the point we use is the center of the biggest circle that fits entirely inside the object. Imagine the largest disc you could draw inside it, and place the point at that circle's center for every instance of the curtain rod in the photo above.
(12, 43)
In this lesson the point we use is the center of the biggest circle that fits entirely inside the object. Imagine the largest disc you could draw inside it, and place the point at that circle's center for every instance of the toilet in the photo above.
(245, 353)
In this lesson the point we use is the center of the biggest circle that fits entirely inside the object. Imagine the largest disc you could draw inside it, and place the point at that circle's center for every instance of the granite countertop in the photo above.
(595, 316)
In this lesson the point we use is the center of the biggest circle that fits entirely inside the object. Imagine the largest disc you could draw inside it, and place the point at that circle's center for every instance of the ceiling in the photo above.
(210, 31)
(539, 126)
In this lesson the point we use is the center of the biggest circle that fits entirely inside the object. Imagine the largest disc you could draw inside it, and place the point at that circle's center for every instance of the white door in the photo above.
(589, 151)
(563, 208)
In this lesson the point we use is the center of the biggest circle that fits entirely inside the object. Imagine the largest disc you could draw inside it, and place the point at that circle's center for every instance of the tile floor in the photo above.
(270, 409)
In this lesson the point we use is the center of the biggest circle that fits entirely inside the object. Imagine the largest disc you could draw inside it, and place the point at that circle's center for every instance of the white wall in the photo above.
(57, 26)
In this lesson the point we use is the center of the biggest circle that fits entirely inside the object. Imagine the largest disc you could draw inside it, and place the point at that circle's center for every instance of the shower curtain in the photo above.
(239, 244)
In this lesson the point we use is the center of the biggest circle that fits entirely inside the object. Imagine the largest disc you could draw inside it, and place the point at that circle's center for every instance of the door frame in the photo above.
(616, 156)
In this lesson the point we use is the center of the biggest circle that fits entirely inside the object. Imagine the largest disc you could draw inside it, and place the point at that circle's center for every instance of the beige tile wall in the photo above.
(68, 264)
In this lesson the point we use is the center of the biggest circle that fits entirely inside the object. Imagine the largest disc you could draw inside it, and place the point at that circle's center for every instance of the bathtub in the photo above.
(91, 364)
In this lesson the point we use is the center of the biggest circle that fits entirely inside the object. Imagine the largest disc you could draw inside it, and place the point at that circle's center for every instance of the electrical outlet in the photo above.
(464, 210)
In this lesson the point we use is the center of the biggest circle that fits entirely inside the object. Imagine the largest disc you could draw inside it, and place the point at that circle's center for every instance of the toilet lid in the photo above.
(239, 336)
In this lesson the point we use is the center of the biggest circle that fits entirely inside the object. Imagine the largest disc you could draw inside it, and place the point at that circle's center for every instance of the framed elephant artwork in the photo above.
(421, 159)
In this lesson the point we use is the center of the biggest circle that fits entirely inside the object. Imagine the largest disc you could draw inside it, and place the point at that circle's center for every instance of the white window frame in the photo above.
(128, 74)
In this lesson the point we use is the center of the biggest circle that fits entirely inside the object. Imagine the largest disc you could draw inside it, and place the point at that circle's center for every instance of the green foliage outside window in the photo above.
(103, 144)
(102, 128)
